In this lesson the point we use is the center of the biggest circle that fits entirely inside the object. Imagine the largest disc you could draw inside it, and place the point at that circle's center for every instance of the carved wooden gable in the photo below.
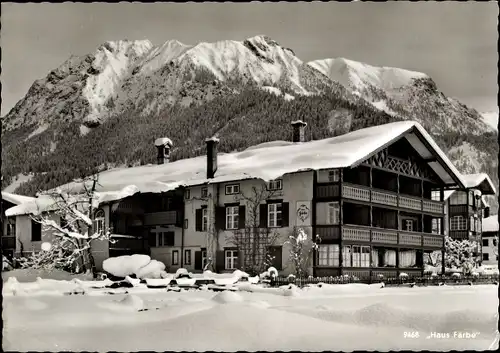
(410, 166)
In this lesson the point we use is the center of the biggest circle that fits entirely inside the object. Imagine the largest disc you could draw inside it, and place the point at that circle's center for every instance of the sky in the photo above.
(454, 43)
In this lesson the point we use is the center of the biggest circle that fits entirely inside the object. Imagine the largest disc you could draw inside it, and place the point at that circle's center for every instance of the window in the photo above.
(486, 257)
(436, 195)
(478, 225)
(275, 185)
(187, 256)
(231, 259)
(204, 192)
(232, 189)
(166, 203)
(333, 175)
(472, 224)
(407, 258)
(458, 223)
(328, 255)
(436, 226)
(187, 194)
(204, 259)
(274, 214)
(36, 231)
(175, 257)
(333, 215)
(408, 224)
(165, 239)
(494, 242)
(204, 219)
(98, 225)
(11, 229)
(485, 242)
(186, 224)
(458, 198)
(232, 217)
(346, 256)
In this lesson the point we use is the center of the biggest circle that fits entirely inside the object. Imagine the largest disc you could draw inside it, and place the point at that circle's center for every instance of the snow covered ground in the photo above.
(38, 316)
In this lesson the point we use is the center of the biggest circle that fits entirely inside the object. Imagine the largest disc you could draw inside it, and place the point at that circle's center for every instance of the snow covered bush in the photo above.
(6, 264)
(139, 265)
(456, 275)
(301, 250)
(403, 275)
(459, 254)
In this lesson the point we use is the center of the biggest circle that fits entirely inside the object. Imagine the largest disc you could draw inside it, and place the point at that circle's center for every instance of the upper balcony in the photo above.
(382, 197)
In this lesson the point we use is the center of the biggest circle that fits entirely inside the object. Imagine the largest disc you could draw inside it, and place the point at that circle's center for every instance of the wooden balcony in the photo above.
(355, 193)
(328, 232)
(410, 203)
(433, 207)
(354, 233)
(327, 191)
(410, 238)
(388, 198)
(391, 237)
(384, 198)
(384, 236)
(161, 218)
(433, 241)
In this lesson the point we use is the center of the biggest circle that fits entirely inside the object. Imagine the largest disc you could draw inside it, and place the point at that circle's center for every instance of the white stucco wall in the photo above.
(296, 188)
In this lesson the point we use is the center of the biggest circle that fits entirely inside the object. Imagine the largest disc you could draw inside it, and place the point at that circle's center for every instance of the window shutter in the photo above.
(242, 217)
(238, 260)
(220, 261)
(284, 214)
(199, 220)
(220, 218)
(263, 215)
(197, 260)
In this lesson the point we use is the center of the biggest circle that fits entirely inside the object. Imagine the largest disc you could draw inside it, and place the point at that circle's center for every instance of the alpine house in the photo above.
(367, 198)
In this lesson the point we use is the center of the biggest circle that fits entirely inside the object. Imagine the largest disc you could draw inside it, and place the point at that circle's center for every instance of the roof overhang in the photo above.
(433, 156)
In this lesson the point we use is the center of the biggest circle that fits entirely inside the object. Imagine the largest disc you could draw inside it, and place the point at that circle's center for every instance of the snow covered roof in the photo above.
(481, 181)
(490, 224)
(267, 162)
(15, 199)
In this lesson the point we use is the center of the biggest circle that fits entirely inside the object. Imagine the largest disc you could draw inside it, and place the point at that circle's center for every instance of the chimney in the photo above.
(298, 131)
(211, 156)
(164, 145)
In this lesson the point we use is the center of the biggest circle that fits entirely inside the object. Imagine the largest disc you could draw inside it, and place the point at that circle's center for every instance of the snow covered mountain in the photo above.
(491, 118)
(408, 94)
(141, 89)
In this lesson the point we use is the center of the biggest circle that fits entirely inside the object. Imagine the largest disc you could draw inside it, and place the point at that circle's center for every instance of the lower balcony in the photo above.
(355, 233)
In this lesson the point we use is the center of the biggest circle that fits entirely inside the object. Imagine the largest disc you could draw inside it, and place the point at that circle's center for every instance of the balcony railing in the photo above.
(324, 191)
(159, 218)
(384, 198)
(391, 199)
(384, 236)
(391, 237)
(355, 193)
(433, 207)
(406, 238)
(408, 202)
(356, 234)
